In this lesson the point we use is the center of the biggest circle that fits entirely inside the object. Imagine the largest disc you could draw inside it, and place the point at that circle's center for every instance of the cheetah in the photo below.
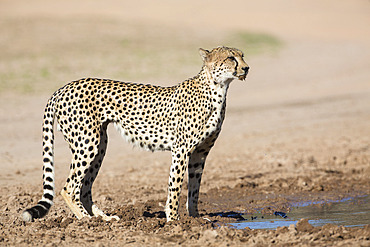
(185, 119)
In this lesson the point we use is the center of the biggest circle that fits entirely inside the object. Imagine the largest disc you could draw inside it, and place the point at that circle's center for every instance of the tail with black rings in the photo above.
(43, 206)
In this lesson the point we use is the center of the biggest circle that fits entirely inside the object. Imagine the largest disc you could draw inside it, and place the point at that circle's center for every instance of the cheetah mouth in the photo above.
(242, 77)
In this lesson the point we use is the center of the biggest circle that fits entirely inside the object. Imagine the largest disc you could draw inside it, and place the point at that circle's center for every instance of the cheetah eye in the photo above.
(231, 58)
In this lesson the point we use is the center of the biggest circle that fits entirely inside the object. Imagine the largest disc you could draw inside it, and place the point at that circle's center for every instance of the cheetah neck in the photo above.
(219, 81)
(216, 93)
(219, 89)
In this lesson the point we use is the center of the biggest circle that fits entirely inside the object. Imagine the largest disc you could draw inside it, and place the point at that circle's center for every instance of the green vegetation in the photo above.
(256, 43)
(36, 57)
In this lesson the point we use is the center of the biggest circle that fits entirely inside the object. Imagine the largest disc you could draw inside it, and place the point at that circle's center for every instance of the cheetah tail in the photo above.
(43, 206)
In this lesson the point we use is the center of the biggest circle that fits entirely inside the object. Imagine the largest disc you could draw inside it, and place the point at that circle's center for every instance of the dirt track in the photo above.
(296, 130)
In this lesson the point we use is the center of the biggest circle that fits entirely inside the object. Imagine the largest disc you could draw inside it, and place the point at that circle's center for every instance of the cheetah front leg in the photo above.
(195, 171)
(179, 163)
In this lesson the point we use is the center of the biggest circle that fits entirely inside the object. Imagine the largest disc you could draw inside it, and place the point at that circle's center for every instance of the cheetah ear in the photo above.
(203, 54)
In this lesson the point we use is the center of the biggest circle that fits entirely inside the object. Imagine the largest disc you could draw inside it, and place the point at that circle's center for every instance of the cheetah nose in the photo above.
(246, 69)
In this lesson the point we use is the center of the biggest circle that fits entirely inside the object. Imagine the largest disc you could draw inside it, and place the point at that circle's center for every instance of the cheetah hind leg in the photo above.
(98, 212)
(89, 178)
(79, 214)
(86, 197)
(73, 206)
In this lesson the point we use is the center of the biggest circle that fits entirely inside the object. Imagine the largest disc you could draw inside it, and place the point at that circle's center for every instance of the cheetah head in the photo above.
(224, 64)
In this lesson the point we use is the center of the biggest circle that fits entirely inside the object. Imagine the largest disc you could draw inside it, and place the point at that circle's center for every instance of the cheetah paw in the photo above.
(98, 212)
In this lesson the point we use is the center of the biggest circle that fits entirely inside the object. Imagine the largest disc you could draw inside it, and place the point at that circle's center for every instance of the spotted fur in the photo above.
(185, 119)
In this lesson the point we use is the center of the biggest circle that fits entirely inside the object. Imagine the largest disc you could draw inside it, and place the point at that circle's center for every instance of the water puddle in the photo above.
(349, 212)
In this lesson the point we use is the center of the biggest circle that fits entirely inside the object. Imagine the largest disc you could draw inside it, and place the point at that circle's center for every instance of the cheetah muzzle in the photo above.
(185, 119)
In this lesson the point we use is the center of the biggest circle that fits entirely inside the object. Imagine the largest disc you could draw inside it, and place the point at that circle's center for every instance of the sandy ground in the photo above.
(296, 130)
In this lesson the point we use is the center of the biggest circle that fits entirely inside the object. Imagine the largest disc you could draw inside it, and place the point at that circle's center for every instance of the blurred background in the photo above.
(46, 43)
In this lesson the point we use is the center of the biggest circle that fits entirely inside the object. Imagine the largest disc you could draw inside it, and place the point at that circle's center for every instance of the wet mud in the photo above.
(142, 219)
(348, 212)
